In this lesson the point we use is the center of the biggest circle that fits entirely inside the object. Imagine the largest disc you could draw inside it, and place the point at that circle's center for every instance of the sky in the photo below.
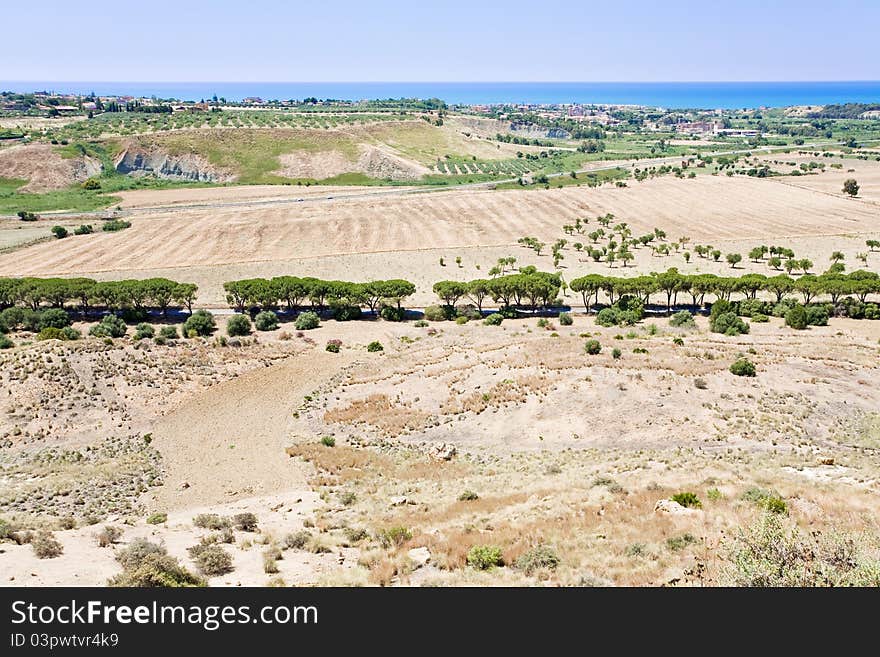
(454, 40)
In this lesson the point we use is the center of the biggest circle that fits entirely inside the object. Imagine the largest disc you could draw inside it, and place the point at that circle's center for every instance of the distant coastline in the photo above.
(703, 95)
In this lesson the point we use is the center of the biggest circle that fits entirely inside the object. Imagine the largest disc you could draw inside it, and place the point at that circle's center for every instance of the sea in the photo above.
(670, 95)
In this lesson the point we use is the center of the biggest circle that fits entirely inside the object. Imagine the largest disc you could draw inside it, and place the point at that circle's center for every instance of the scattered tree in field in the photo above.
(836, 257)
(733, 259)
(872, 245)
(851, 187)
(775, 262)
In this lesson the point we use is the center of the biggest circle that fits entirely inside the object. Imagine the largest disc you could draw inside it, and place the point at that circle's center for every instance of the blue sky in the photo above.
(344, 40)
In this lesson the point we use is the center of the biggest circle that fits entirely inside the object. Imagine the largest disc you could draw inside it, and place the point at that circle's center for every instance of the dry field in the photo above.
(539, 445)
(381, 234)
(866, 173)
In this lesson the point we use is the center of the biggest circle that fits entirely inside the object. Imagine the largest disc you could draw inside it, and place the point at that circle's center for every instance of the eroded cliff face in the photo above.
(532, 130)
(138, 160)
(44, 168)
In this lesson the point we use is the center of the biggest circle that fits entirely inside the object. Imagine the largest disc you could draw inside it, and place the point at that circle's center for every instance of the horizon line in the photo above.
(449, 81)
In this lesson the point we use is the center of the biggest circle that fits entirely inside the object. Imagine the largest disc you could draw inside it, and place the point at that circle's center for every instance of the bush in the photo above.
(91, 184)
(752, 307)
(156, 570)
(539, 557)
(461, 319)
(307, 321)
(115, 225)
(239, 325)
(768, 499)
(134, 315)
(760, 318)
(51, 334)
(213, 560)
(494, 319)
(266, 321)
(168, 332)
(346, 313)
(45, 545)
(468, 496)
(211, 521)
(774, 552)
(817, 316)
(375, 346)
(6, 343)
(328, 441)
(421, 324)
(54, 318)
(625, 312)
(439, 313)
(297, 540)
(677, 543)
(592, 347)
(333, 346)
(728, 323)
(616, 353)
(110, 326)
(84, 229)
(565, 319)
(682, 319)
(108, 536)
(796, 318)
(60, 232)
(743, 367)
(200, 323)
(468, 310)
(143, 331)
(136, 552)
(245, 522)
(157, 518)
(484, 557)
(394, 536)
(687, 499)
(392, 314)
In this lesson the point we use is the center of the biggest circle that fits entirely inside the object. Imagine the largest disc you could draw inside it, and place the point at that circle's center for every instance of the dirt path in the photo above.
(228, 443)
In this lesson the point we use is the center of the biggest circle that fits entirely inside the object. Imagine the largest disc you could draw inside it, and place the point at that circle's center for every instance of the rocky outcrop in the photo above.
(534, 131)
(137, 160)
(44, 168)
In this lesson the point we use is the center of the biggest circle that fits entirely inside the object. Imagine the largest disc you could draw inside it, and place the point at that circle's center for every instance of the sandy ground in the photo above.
(866, 173)
(146, 198)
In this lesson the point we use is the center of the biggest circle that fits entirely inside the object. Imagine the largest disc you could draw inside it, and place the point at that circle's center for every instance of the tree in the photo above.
(872, 244)
(185, 294)
(775, 262)
(477, 291)
(756, 254)
(851, 187)
(805, 265)
(450, 291)
(589, 287)
(733, 259)
(59, 232)
(836, 257)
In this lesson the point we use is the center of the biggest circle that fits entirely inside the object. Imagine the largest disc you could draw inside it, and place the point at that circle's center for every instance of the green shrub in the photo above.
(767, 499)
(743, 367)
(375, 346)
(238, 324)
(616, 353)
(394, 536)
(796, 318)
(143, 331)
(728, 323)
(333, 346)
(307, 321)
(91, 184)
(714, 494)
(45, 545)
(439, 313)
(538, 558)
(346, 313)
(687, 499)
(565, 319)
(328, 441)
(297, 540)
(156, 570)
(266, 321)
(461, 319)
(421, 324)
(60, 232)
(84, 229)
(626, 311)
(494, 319)
(54, 318)
(392, 314)
(211, 521)
(168, 332)
(592, 347)
(468, 496)
(760, 318)
(485, 557)
(115, 225)
(6, 343)
(817, 315)
(137, 551)
(213, 560)
(200, 323)
(51, 333)
(676, 543)
(110, 326)
(157, 518)
(682, 319)
(245, 522)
